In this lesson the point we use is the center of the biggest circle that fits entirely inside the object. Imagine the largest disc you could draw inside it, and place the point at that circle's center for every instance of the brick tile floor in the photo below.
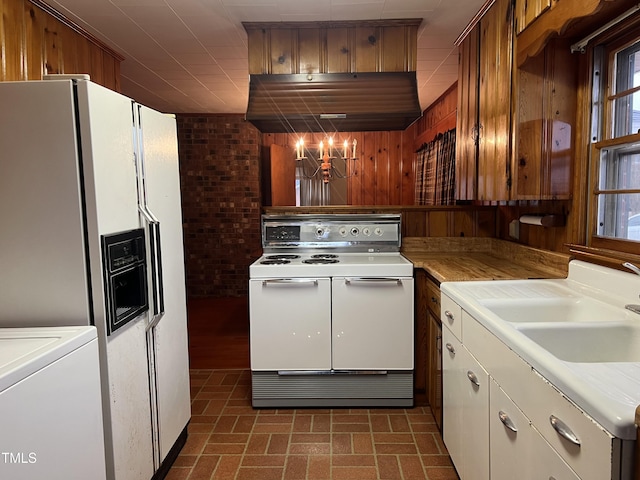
(229, 440)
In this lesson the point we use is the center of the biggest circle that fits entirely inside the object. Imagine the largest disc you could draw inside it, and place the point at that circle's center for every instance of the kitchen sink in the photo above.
(588, 342)
(552, 310)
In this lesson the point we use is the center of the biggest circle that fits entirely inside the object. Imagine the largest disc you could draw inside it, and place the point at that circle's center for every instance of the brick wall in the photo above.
(221, 205)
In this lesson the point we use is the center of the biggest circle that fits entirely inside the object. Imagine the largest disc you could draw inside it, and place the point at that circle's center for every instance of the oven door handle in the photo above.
(290, 281)
(377, 280)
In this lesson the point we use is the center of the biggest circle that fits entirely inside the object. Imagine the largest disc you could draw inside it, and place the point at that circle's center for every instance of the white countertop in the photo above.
(607, 392)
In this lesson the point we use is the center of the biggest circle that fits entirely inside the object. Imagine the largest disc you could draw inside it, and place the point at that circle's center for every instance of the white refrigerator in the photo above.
(80, 164)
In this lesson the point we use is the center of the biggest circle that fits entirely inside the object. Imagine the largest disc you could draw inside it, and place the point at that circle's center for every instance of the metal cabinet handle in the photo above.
(450, 348)
(297, 281)
(349, 281)
(563, 430)
(473, 378)
(506, 420)
(449, 315)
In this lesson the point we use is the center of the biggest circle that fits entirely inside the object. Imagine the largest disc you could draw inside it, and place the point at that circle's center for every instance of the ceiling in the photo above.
(190, 56)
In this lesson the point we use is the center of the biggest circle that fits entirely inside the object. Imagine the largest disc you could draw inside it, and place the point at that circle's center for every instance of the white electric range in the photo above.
(331, 313)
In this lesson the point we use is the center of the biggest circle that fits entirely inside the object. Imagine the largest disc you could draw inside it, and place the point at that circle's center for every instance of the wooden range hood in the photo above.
(333, 102)
(333, 76)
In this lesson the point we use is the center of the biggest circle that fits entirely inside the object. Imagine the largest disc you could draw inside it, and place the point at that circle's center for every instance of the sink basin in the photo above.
(588, 343)
(569, 309)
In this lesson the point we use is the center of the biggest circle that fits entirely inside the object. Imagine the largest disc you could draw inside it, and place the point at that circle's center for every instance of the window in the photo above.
(616, 153)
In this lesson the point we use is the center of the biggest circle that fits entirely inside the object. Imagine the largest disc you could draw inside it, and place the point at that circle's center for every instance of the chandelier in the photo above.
(324, 165)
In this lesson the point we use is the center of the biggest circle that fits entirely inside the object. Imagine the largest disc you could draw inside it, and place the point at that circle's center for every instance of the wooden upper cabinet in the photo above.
(529, 10)
(332, 47)
(467, 117)
(483, 150)
(540, 20)
(494, 111)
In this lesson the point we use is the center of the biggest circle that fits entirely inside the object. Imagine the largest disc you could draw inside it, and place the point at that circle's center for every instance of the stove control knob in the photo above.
(355, 231)
(320, 231)
(343, 231)
(378, 231)
(366, 231)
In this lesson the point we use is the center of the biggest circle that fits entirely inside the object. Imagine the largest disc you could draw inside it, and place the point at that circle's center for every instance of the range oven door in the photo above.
(290, 324)
(372, 323)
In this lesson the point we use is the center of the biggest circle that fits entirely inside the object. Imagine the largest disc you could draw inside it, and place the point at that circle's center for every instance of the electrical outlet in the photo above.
(514, 229)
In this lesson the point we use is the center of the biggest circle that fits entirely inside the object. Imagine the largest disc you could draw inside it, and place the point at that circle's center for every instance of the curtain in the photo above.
(436, 171)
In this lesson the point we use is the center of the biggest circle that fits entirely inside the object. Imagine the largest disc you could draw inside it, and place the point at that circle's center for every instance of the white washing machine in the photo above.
(50, 404)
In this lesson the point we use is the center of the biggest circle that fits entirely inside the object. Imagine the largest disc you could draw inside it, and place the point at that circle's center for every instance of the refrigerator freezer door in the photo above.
(106, 129)
(170, 335)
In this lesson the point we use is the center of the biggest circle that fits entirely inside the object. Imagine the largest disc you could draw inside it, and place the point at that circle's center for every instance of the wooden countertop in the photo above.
(450, 259)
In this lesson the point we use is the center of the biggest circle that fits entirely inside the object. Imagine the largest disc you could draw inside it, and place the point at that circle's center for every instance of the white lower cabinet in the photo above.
(466, 402)
(517, 450)
(503, 427)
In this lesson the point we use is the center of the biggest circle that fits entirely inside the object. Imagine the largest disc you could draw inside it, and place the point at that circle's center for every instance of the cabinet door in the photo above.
(467, 118)
(465, 409)
(290, 324)
(435, 369)
(452, 397)
(545, 463)
(496, 58)
(475, 419)
(372, 323)
(510, 443)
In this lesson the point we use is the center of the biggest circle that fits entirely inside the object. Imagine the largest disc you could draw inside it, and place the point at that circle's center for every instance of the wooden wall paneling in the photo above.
(408, 166)
(383, 169)
(34, 23)
(529, 129)
(463, 224)
(395, 168)
(561, 127)
(14, 44)
(414, 223)
(438, 224)
(367, 56)
(257, 41)
(97, 66)
(356, 184)
(282, 48)
(109, 70)
(369, 163)
(53, 48)
(339, 50)
(485, 220)
(394, 47)
(311, 56)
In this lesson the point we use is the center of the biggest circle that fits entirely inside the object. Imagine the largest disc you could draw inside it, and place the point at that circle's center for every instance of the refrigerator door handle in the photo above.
(155, 254)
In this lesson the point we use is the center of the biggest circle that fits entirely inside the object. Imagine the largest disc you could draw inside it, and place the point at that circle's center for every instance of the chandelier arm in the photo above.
(304, 170)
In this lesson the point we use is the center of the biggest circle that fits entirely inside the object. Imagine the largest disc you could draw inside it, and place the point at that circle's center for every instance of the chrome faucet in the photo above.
(633, 307)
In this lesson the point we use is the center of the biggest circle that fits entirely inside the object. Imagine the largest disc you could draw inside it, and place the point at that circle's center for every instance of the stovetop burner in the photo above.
(275, 261)
(320, 260)
(324, 255)
(282, 256)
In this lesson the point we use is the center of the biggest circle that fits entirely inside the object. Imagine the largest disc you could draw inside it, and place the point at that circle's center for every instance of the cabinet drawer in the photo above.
(451, 316)
(592, 458)
(433, 298)
(505, 366)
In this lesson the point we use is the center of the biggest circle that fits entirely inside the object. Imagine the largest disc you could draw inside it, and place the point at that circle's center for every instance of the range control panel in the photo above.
(349, 232)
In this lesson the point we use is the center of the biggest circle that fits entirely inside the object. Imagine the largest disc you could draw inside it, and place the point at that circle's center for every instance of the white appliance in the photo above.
(331, 313)
(92, 235)
(50, 404)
